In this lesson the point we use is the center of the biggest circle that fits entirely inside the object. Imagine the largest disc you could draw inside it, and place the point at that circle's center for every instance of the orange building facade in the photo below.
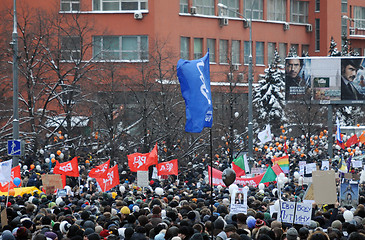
(125, 29)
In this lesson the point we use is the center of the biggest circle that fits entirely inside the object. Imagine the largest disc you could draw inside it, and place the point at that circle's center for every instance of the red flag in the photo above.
(141, 161)
(111, 180)
(100, 171)
(70, 168)
(351, 141)
(168, 168)
(15, 172)
(285, 148)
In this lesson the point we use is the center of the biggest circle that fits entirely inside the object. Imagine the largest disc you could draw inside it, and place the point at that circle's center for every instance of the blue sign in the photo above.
(14, 148)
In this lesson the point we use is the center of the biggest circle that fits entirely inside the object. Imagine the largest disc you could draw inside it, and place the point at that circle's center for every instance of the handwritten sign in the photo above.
(142, 178)
(297, 213)
(52, 182)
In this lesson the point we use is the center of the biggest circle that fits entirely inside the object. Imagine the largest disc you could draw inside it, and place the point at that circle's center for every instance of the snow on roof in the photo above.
(76, 121)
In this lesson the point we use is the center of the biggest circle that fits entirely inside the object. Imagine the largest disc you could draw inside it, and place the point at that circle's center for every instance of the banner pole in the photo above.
(211, 176)
(7, 198)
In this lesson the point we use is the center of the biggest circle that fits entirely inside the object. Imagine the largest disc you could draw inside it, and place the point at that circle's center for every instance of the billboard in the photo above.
(325, 80)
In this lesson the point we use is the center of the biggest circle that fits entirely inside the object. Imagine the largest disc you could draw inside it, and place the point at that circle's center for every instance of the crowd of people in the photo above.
(184, 210)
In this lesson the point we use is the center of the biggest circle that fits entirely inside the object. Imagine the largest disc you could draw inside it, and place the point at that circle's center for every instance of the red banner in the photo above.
(168, 168)
(217, 179)
(141, 161)
(70, 168)
(100, 171)
(111, 180)
(15, 172)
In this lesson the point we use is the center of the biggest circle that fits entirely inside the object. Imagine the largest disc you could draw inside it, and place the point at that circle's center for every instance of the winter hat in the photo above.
(64, 226)
(337, 224)
(251, 222)
(89, 224)
(125, 210)
(219, 224)
(291, 234)
(259, 223)
(88, 231)
(7, 235)
(50, 235)
(93, 236)
(104, 233)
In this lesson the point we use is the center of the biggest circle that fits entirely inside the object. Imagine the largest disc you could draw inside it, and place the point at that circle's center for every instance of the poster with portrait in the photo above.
(239, 201)
(349, 194)
(325, 80)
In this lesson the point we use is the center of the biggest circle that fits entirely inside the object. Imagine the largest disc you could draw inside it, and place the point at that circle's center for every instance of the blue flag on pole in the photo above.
(194, 78)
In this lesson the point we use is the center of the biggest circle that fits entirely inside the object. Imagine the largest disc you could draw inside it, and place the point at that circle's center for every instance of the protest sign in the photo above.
(52, 182)
(324, 180)
(142, 178)
(325, 165)
(297, 213)
(349, 194)
(239, 201)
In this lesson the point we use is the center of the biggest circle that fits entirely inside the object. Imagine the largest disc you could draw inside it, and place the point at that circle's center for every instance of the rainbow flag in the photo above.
(283, 162)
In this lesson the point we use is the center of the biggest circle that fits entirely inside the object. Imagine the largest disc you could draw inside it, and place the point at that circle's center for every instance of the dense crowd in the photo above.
(183, 211)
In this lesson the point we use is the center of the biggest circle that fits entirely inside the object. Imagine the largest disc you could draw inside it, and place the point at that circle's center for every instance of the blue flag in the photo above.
(194, 78)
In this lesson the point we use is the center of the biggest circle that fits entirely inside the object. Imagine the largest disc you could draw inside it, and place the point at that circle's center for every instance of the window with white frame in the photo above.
(120, 5)
(246, 52)
(257, 7)
(211, 47)
(223, 51)
(235, 51)
(70, 5)
(283, 49)
(70, 48)
(198, 48)
(359, 17)
(344, 6)
(126, 48)
(204, 7)
(298, 11)
(276, 10)
(184, 47)
(233, 7)
(259, 53)
(271, 46)
(184, 6)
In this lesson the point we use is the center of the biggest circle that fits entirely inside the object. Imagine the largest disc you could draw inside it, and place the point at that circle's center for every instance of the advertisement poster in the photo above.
(325, 79)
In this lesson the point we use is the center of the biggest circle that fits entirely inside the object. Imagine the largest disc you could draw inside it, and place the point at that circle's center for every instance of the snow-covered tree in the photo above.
(269, 96)
(333, 49)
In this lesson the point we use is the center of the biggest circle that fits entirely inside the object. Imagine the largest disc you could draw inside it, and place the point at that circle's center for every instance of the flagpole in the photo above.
(7, 198)
(211, 175)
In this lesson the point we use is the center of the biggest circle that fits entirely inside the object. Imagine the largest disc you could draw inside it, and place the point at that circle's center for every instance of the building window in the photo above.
(120, 5)
(299, 11)
(204, 7)
(295, 47)
(344, 6)
(283, 49)
(70, 48)
(235, 52)
(270, 52)
(317, 34)
(257, 9)
(276, 10)
(127, 48)
(246, 52)
(70, 5)
(344, 27)
(211, 47)
(359, 18)
(259, 53)
(184, 4)
(317, 5)
(198, 48)
(305, 50)
(184, 47)
(233, 7)
(223, 51)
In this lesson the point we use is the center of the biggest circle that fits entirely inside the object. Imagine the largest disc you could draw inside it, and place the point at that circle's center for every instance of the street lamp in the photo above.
(250, 111)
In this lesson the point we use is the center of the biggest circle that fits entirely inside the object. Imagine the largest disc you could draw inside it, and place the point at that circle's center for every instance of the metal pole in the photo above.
(330, 130)
(15, 85)
(250, 123)
(211, 178)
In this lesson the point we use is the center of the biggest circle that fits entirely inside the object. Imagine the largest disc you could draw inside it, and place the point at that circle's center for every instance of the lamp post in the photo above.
(250, 80)
(14, 44)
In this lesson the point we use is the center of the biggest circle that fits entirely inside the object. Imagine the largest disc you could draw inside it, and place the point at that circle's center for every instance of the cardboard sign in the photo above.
(142, 178)
(297, 213)
(324, 187)
(239, 201)
(309, 194)
(4, 217)
(51, 182)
